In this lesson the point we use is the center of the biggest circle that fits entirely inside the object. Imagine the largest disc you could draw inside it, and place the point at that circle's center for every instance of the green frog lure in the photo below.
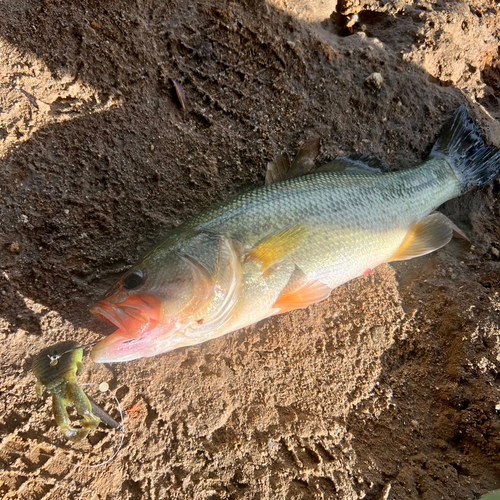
(56, 369)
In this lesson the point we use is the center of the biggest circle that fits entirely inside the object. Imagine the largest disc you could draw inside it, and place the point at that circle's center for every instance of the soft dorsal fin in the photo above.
(355, 163)
(431, 233)
(277, 246)
(281, 169)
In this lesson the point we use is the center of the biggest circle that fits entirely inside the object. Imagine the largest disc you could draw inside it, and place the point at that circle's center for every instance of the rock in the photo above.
(374, 81)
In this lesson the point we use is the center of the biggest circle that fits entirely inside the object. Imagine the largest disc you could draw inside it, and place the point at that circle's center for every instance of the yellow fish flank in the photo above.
(288, 244)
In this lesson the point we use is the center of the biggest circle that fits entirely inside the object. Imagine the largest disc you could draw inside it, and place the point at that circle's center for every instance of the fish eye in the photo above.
(133, 280)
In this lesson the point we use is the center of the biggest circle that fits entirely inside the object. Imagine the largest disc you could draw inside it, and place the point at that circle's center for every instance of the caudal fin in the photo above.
(461, 145)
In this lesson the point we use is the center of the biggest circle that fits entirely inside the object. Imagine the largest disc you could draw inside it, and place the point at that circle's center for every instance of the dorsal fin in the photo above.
(277, 170)
(355, 163)
(281, 169)
(303, 163)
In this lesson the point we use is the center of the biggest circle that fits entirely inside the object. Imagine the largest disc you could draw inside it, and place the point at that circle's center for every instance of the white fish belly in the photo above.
(346, 254)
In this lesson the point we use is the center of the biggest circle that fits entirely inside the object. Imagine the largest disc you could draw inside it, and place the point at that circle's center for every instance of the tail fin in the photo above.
(461, 145)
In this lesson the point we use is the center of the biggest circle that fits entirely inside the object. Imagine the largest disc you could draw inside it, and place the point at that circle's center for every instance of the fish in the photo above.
(288, 244)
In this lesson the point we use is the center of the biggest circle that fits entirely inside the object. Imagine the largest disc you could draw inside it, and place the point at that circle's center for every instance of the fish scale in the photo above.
(338, 197)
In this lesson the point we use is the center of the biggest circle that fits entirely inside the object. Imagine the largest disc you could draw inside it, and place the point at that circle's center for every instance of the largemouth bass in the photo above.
(287, 245)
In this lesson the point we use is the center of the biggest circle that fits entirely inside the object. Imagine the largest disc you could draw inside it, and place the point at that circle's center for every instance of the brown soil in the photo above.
(388, 390)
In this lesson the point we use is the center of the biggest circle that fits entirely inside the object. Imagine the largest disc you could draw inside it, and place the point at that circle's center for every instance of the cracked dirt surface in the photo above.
(388, 390)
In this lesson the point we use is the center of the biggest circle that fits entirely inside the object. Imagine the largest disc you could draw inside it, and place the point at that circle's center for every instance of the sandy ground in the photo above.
(388, 390)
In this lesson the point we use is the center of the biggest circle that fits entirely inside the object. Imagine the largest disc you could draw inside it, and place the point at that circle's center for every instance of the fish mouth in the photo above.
(120, 346)
(117, 347)
(136, 318)
(123, 344)
(133, 317)
(130, 322)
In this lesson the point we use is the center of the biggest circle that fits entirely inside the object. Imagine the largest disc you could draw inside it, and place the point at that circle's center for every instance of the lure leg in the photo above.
(39, 389)
(83, 407)
(63, 421)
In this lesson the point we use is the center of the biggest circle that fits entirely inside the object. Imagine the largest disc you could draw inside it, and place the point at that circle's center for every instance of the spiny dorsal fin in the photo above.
(281, 170)
(277, 170)
(355, 163)
(431, 233)
(303, 163)
(277, 246)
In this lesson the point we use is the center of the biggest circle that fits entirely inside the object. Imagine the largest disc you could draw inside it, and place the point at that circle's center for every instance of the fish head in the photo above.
(148, 298)
(158, 302)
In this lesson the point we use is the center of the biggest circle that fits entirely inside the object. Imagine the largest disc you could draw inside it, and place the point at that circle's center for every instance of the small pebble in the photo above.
(352, 20)
(495, 251)
(103, 386)
(14, 247)
(374, 81)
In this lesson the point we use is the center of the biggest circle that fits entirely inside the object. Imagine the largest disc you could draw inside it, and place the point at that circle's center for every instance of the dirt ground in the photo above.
(388, 390)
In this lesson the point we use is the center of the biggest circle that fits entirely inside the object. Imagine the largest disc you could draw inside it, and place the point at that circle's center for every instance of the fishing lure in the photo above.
(56, 368)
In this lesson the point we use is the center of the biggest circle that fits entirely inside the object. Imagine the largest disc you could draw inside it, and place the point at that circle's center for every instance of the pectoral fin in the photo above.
(431, 233)
(278, 246)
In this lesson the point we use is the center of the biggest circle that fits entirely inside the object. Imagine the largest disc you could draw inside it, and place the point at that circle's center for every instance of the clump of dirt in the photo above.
(387, 390)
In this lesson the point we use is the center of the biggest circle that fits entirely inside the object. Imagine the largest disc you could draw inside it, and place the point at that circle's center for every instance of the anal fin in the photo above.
(457, 232)
(430, 234)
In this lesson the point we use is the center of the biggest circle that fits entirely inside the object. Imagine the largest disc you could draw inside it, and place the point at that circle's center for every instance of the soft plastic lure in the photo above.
(56, 369)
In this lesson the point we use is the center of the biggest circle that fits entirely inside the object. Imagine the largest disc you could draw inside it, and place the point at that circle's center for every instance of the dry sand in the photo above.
(389, 390)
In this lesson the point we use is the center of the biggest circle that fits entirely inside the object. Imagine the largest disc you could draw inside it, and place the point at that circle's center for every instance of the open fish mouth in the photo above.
(133, 325)
(145, 341)
(117, 347)
(137, 319)
(131, 321)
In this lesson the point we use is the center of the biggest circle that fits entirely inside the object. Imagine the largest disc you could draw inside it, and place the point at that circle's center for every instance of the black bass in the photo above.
(287, 245)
